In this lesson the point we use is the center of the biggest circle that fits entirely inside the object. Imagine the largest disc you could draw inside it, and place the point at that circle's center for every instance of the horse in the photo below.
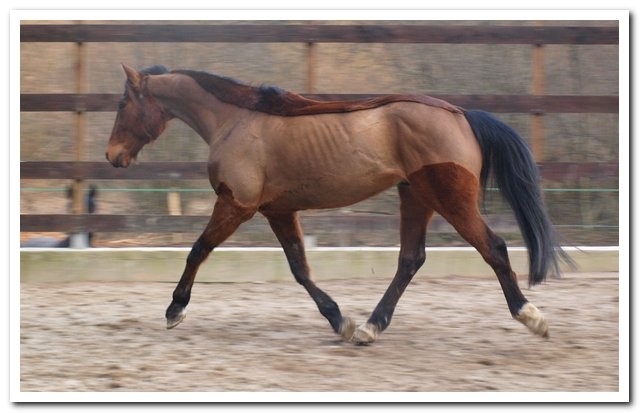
(277, 153)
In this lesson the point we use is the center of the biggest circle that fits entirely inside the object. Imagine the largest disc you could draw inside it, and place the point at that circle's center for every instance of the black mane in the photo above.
(275, 101)
(232, 91)
(155, 70)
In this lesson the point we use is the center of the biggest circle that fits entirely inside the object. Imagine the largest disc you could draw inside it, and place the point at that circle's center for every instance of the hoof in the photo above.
(531, 317)
(347, 328)
(365, 334)
(175, 315)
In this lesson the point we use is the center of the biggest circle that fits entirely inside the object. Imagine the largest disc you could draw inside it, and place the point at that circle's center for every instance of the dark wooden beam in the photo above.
(196, 223)
(104, 170)
(550, 171)
(314, 33)
(107, 102)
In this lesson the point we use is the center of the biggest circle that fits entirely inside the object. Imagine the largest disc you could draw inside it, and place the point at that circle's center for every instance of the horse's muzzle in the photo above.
(120, 161)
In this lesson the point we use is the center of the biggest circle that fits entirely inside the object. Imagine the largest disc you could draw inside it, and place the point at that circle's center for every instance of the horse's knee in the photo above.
(411, 263)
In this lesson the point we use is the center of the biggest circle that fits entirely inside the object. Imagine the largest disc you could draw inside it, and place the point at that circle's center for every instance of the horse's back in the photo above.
(402, 135)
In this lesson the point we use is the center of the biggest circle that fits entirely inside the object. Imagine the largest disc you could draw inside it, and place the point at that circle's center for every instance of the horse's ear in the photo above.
(133, 76)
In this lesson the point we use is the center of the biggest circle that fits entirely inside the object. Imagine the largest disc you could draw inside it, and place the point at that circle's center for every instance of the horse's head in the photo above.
(140, 118)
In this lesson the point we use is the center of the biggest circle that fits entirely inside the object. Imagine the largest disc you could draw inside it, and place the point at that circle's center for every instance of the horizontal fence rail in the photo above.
(317, 33)
(550, 171)
(196, 223)
(108, 102)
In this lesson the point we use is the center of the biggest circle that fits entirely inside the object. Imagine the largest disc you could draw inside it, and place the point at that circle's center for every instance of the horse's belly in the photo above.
(330, 192)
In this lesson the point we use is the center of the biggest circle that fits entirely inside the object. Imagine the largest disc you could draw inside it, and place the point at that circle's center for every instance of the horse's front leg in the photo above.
(227, 216)
(287, 229)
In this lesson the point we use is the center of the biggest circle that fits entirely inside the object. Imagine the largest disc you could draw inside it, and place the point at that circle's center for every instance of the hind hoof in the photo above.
(531, 317)
(365, 335)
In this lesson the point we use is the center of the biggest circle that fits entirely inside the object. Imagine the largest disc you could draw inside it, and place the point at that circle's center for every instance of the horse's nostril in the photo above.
(118, 161)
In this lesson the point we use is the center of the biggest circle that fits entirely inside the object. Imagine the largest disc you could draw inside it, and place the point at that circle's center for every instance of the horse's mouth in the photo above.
(120, 161)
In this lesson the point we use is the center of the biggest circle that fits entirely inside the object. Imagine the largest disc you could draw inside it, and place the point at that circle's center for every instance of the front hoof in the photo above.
(175, 314)
(531, 317)
(365, 334)
(347, 328)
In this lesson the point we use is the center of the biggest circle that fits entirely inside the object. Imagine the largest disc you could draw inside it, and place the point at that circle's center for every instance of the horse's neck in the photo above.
(185, 100)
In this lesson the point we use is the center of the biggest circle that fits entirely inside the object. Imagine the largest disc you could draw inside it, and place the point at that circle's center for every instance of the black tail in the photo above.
(506, 156)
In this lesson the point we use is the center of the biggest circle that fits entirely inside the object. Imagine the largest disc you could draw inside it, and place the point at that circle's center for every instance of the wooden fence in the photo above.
(537, 104)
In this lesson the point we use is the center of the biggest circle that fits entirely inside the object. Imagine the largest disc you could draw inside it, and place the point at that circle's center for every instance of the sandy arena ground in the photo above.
(448, 334)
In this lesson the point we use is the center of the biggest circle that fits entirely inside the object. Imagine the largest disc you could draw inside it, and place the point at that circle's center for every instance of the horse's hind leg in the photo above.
(287, 229)
(453, 192)
(414, 218)
(227, 216)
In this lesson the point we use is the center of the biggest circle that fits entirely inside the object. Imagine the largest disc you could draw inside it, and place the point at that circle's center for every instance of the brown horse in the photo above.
(277, 152)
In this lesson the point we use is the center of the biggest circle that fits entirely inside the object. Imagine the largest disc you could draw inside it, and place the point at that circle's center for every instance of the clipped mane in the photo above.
(275, 101)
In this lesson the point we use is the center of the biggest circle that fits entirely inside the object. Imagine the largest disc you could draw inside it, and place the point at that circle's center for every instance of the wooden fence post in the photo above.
(311, 67)
(78, 204)
(80, 128)
(537, 86)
